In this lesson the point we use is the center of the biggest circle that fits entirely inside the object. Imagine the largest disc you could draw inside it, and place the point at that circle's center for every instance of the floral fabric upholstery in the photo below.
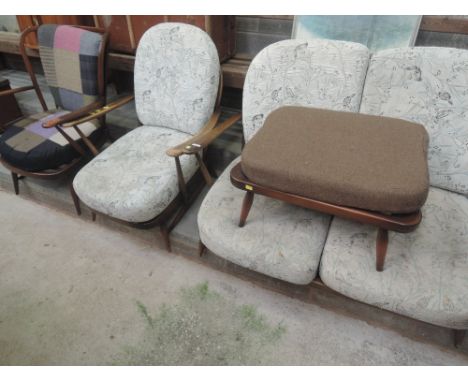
(176, 77)
(428, 86)
(426, 271)
(317, 73)
(279, 239)
(133, 179)
(69, 56)
(176, 83)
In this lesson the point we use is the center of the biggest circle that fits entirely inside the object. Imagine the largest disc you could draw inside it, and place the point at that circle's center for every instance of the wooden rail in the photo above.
(235, 69)
(445, 24)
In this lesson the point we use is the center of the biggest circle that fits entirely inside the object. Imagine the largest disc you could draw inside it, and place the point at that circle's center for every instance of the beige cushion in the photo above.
(349, 159)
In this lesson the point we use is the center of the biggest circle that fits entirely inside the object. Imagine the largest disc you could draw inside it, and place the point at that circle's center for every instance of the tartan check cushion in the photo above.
(29, 146)
(69, 56)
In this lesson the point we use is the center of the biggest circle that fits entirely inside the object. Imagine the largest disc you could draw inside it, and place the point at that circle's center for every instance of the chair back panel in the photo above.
(317, 73)
(427, 85)
(70, 58)
(176, 77)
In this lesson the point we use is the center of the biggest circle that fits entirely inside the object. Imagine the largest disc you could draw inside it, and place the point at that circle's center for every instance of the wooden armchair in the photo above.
(177, 92)
(41, 145)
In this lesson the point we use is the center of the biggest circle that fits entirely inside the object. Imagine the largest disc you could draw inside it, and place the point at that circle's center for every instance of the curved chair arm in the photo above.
(16, 90)
(208, 134)
(83, 111)
(86, 113)
(99, 112)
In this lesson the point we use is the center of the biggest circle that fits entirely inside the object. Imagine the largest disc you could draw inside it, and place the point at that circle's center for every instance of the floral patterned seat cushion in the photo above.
(133, 179)
(176, 83)
(176, 77)
(318, 73)
(279, 239)
(428, 86)
(425, 275)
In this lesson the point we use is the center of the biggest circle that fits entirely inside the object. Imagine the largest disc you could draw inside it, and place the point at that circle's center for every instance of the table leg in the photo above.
(458, 336)
(246, 204)
(381, 248)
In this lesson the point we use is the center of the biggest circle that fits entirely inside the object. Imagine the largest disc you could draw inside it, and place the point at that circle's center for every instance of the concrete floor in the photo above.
(77, 293)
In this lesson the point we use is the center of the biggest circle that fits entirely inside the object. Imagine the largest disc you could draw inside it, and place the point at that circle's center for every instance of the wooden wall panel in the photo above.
(126, 31)
(25, 22)
(445, 24)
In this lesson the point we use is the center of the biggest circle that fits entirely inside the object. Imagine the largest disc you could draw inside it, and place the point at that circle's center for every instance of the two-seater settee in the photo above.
(426, 272)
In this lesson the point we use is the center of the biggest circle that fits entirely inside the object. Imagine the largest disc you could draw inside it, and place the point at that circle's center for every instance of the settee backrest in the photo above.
(317, 73)
(176, 77)
(428, 86)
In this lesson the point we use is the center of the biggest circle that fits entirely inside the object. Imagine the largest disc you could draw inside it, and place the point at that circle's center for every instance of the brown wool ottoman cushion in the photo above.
(349, 159)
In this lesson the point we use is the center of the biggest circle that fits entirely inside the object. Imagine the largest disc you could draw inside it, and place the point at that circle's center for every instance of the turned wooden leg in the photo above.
(458, 337)
(14, 176)
(246, 204)
(201, 248)
(381, 248)
(206, 174)
(165, 235)
(76, 201)
(93, 216)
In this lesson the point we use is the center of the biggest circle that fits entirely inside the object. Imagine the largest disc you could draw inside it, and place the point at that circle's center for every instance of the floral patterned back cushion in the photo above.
(176, 77)
(428, 86)
(317, 73)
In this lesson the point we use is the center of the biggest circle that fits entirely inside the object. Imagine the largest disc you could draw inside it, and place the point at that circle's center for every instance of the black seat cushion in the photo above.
(28, 146)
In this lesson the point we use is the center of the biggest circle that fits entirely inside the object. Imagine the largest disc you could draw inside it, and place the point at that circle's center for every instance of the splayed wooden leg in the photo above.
(201, 248)
(14, 176)
(76, 200)
(458, 337)
(381, 248)
(166, 238)
(246, 205)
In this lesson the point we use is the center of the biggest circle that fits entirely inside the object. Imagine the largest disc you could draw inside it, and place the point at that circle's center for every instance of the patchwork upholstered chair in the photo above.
(282, 240)
(177, 93)
(42, 145)
(426, 274)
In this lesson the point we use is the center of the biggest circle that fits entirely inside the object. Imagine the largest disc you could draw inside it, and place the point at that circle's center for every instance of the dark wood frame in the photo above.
(188, 191)
(398, 222)
(59, 123)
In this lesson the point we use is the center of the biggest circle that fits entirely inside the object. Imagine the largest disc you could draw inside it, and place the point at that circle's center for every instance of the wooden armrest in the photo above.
(72, 115)
(17, 90)
(204, 138)
(101, 111)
